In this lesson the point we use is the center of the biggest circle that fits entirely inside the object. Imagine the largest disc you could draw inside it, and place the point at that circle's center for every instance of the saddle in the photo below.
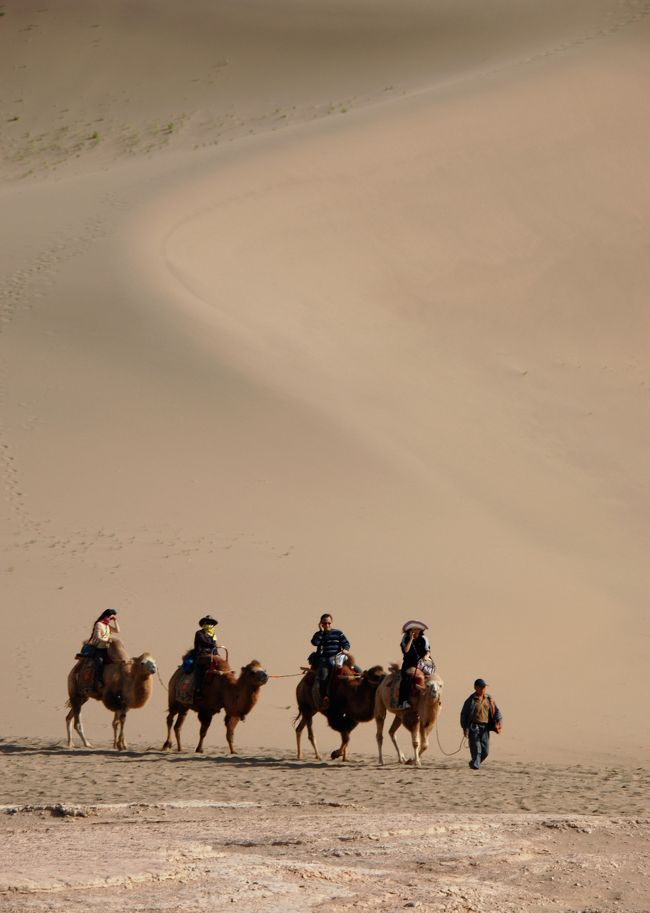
(418, 683)
(186, 682)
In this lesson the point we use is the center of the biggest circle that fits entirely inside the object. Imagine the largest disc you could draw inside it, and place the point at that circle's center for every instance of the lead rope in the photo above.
(449, 754)
(289, 675)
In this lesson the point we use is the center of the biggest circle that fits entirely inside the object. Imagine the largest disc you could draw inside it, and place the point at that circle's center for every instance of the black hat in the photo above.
(480, 683)
(208, 620)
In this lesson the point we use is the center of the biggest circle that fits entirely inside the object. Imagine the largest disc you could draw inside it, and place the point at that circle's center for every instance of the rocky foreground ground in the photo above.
(143, 831)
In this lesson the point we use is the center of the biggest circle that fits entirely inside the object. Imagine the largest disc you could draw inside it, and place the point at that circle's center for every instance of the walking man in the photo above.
(479, 716)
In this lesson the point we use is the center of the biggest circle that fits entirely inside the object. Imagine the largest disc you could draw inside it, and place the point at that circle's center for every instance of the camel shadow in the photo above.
(60, 749)
(241, 761)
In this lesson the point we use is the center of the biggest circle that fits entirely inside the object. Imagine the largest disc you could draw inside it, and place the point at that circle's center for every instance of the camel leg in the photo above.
(306, 720)
(167, 744)
(205, 720)
(75, 714)
(121, 741)
(116, 723)
(231, 723)
(424, 738)
(415, 740)
(342, 751)
(391, 732)
(177, 729)
(380, 719)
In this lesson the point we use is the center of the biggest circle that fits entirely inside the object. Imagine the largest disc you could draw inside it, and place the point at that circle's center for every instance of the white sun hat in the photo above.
(414, 625)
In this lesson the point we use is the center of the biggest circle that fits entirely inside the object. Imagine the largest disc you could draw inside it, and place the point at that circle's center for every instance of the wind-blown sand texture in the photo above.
(342, 306)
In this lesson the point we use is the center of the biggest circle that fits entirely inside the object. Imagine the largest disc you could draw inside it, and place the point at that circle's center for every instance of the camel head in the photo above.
(254, 673)
(434, 685)
(147, 663)
(374, 675)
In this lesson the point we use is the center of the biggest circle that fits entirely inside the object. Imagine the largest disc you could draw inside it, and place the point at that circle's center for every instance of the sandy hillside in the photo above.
(340, 307)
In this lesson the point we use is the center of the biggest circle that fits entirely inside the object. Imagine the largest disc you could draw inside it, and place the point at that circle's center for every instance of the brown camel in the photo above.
(221, 691)
(351, 701)
(127, 685)
(419, 719)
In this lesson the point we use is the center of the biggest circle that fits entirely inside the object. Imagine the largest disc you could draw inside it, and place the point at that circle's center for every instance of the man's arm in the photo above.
(465, 715)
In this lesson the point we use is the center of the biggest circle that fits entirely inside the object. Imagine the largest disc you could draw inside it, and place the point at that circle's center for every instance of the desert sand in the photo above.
(337, 307)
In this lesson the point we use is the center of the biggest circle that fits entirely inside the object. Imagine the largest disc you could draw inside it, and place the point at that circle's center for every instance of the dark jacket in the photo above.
(467, 713)
(203, 643)
(328, 644)
(418, 649)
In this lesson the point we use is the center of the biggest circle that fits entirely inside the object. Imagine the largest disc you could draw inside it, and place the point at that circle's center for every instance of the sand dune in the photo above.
(344, 309)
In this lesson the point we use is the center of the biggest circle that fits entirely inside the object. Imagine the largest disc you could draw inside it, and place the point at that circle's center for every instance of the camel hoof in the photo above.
(199, 751)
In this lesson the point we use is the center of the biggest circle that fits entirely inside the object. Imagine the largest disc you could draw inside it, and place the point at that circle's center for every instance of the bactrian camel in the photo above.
(127, 685)
(351, 700)
(419, 719)
(222, 690)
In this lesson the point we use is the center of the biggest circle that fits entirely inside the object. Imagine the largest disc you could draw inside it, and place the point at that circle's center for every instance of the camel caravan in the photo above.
(332, 684)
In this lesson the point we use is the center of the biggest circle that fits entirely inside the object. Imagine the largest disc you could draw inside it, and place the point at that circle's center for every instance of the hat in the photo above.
(208, 620)
(480, 683)
(414, 626)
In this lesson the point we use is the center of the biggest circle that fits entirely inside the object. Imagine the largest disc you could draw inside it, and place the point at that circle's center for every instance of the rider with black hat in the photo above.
(205, 648)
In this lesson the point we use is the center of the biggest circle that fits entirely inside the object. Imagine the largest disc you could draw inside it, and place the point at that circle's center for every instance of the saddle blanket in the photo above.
(185, 686)
(395, 681)
(86, 676)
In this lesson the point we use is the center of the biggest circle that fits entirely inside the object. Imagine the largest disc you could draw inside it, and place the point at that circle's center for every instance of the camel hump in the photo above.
(117, 651)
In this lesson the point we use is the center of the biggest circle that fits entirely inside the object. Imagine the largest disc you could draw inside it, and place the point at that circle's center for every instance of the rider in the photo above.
(328, 642)
(415, 649)
(205, 648)
(97, 644)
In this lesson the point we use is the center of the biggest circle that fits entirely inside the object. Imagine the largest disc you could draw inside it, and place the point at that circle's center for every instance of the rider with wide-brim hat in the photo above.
(415, 649)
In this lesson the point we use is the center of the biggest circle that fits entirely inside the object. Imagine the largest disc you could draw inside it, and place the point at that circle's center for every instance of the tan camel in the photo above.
(127, 685)
(419, 719)
(351, 701)
(221, 691)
